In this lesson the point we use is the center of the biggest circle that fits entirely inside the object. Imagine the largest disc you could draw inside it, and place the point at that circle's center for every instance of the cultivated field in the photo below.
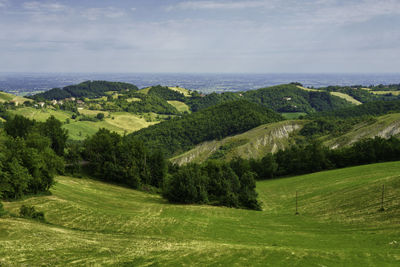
(93, 223)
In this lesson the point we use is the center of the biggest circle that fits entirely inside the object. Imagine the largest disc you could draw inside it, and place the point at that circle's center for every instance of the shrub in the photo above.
(30, 212)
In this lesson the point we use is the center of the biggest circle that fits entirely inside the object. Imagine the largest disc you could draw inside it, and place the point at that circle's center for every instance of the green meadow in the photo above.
(94, 223)
(120, 122)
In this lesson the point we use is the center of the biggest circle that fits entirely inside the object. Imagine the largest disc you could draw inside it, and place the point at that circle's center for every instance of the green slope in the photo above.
(120, 122)
(5, 97)
(93, 223)
(384, 126)
(182, 134)
(254, 143)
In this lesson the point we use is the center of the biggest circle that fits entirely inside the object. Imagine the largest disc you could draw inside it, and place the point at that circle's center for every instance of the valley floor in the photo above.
(93, 223)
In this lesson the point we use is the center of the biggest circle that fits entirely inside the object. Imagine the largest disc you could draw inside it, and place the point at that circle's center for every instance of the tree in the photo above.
(52, 128)
(100, 116)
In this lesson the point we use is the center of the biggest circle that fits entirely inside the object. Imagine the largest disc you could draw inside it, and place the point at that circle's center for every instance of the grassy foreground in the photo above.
(93, 223)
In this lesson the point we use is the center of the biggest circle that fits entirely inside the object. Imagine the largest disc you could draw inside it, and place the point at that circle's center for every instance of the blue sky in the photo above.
(256, 36)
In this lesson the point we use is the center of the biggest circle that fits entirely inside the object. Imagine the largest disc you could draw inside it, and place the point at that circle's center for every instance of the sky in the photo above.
(202, 36)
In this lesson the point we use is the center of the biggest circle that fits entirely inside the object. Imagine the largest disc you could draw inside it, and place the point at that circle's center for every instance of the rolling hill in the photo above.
(93, 223)
(217, 122)
(254, 143)
(6, 97)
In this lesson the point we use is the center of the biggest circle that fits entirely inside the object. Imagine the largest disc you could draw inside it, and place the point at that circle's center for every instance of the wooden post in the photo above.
(383, 192)
(297, 212)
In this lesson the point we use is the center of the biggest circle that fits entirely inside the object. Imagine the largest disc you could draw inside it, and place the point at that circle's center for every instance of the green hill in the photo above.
(181, 134)
(254, 143)
(93, 223)
(383, 126)
(6, 97)
(91, 89)
(120, 122)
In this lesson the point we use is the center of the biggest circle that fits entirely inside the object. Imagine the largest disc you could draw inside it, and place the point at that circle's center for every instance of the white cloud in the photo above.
(196, 5)
(43, 7)
(108, 12)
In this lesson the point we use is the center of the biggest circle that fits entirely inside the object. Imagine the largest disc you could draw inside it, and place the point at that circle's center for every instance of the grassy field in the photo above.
(346, 97)
(385, 92)
(4, 97)
(338, 94)
(180, 106)
(93, 223)
(120, 122)
(42, 114)
(184, 91)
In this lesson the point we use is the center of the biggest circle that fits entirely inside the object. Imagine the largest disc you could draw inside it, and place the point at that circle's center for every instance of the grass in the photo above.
(184, 91)
(5, 97)
(346, 97)
(42, 114)
(180, 106)
(338, 94)
(385, 92)
(122, 123)
(93, 223)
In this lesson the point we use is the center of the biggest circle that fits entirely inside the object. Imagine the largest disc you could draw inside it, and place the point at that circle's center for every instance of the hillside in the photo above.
(6, 97)
(254, 143)
(93, 223)
(384, 126)
(181, 134)
(89, 89)
(120, 122)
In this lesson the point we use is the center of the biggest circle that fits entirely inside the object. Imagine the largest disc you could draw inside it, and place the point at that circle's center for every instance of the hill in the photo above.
(290, 98)
(7, 97)
(383, 126)
(91, 89)
(120, 122)
(375, 108)
(181, 134)
(254, 143)
(93, 223)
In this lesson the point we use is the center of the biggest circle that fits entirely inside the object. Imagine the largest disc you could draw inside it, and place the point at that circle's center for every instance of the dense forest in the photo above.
(89, 89)
(222, 120)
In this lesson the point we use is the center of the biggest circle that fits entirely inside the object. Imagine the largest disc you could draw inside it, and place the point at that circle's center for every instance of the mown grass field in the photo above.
(4, 97)
(347, 97)
(120, 122)
(180, 106)
(93, 223)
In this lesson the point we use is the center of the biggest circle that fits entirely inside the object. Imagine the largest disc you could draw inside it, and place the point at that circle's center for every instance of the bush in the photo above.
(31, 213)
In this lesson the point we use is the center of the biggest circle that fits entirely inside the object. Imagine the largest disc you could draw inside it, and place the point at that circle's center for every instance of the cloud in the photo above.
(198, 5)
(43, 7)
(352, 12)
(3, 3)
(107, 12)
